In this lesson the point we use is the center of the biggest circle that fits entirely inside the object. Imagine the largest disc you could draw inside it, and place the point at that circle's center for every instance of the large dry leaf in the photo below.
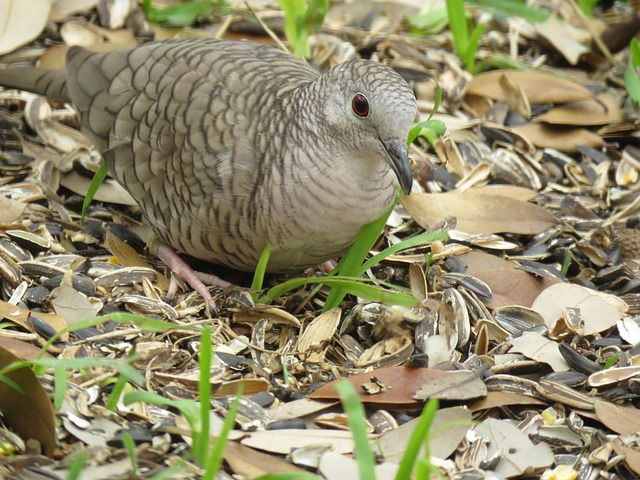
(29, 412)
(478, 261)
(402, 383)
(631, 456)
(538, 87)
(21, 21)
(510, 191)
(480, 214)
(502, 399)
(598, 311)
(72, 305)
(566, 139)
(24, 350)
(512, 287)
(601, 110)
(283, 441)
(518, 453)
(21, 316)
(447, 431)
(299, 408)
(338, 467)
(459, 385)
(249, 463)
(622, 420)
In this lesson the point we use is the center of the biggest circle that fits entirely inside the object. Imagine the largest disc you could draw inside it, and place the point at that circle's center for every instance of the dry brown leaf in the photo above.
(402, 383)
(248, 386)
(512, 287)
(502, 399)
(448, 428)
(519, 454)
(478, 261)
(510, 191)
(299, 408)
(282, 441)
(479, 214)
(631, 456)
(622, 420)
(566, 139)
(600, 110)
(248, 463)
(538, 87)
(72, 305)
(460, 385)
(24, 350)
(333, 466)
(515, 97)
(29, 412)
(20, 316)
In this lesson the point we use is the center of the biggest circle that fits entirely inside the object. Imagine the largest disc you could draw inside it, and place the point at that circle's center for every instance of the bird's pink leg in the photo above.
(195, 280)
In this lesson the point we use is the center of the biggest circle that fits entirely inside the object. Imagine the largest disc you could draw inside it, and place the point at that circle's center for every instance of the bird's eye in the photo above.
(360, 105)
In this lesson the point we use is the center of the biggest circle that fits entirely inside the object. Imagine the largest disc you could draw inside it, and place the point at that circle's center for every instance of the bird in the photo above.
(232, 146)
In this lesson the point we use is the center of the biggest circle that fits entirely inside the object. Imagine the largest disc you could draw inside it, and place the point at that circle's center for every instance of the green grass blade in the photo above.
(200, 446)
(130, 447)
(96, 181)
(116, 393)
(77, 465)
(358, 426)
(421, 239)
(611, 361)
(419, 437)
(350, 263)
(260, 272)
(6, 380)
(430, 129)
(351, 285)
(60, 382)
(458, 25)
(429, 21)
(217, 453)
(587, 6)
(469, 56)
(631, 75)
(511, 8)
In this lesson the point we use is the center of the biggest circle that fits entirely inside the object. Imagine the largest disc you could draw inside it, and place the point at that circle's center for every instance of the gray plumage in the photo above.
(229, 146)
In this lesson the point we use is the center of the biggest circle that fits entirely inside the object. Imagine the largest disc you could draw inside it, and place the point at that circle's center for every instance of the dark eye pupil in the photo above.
(360, 105)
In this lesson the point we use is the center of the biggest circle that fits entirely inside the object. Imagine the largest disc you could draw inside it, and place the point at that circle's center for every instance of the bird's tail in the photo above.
(52, 83)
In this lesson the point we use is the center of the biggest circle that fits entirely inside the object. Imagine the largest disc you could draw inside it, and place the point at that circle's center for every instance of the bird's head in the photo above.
(372, 108)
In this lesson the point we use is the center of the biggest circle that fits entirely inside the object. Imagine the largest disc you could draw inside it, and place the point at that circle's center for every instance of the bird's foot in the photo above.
(329, 265)
(195, 280)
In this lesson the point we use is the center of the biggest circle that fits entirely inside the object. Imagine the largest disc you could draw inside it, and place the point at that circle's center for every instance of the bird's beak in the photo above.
(399, 161)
